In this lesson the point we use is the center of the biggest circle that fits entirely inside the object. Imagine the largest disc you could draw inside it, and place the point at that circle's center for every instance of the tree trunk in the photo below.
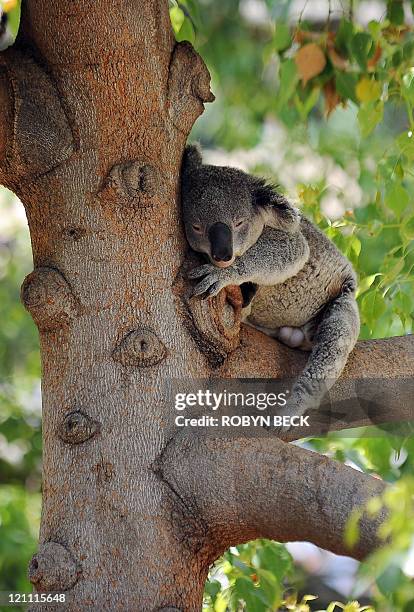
(105, 99)
(98, 101)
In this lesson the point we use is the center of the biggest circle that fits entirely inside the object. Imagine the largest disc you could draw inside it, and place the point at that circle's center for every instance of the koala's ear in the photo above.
(274, 207)
(192, 159)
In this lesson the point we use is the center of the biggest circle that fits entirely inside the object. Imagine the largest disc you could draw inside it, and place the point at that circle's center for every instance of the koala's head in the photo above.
(225, 209)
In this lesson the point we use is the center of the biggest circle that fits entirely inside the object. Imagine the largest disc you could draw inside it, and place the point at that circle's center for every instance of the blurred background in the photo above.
(317, 96)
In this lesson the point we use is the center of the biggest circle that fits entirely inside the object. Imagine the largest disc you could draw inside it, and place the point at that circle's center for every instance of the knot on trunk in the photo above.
(140, 347)
(78, 427)
(46, 294)
(134, 182)
(213, 323)
(188, 87)
(41, 137)
(53, 568)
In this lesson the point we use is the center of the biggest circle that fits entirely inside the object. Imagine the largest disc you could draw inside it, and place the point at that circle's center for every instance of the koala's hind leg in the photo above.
(335, 336)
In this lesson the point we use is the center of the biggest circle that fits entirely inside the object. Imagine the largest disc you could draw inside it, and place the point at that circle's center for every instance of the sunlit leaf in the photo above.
(407, 229)
(368, 90)
(369, 116)
(366, 283)
(396, 198)
(282, 38)
(310, 61)
(288, 81)
(177, 18)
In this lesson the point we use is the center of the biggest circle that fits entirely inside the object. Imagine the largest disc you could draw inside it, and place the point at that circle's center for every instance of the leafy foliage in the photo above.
(251, 577)
(20, 436)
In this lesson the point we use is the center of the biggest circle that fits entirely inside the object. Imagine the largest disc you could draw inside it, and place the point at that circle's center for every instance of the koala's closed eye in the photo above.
(239, 223)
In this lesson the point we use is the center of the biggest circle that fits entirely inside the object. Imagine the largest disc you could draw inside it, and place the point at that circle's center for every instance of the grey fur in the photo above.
(305, 293)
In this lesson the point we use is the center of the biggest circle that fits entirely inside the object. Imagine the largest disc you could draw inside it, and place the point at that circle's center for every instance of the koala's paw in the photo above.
(214, 280)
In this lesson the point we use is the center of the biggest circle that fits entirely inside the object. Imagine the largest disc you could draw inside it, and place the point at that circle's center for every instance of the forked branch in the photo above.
(250, 488)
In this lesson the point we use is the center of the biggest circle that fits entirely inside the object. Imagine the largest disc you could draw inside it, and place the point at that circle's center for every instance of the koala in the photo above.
(296, 285)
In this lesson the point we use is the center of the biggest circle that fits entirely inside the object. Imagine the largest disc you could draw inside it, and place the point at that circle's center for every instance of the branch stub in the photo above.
(53, 568)
(46, 294)
(140, 347)
(188, 87)
(78, 427)
(135, 182)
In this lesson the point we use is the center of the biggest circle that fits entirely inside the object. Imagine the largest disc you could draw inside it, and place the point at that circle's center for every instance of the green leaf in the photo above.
(177, 18)
(369, 116)
(345, 85)
(271, 588)
(344, 35)
(212, 588)
(356, 245)
(395, 11)
(403, 302)
(408, 50)
(282, 38)
(288, 81)
(305, 107)
(407, 88)
(276, 558)
(374, 28)
(186, 32)
(361, 47)
(405, 143)
(390, 580)
(244, 589)
(366, 283)
(397, 58)
(407, 230)
(373, 306)
(396, 198)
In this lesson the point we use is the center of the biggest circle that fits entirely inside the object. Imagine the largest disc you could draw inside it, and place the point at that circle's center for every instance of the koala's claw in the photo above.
(214, 290)
(200, 271)
(210, 286)
(214, 280)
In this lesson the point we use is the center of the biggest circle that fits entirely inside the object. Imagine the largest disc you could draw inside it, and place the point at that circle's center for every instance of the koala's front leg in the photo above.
(276, 256)
(214, 279)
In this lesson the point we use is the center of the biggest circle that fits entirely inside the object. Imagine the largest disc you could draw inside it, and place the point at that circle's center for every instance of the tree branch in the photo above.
(253, 488)
(377, 385)
(87, 32)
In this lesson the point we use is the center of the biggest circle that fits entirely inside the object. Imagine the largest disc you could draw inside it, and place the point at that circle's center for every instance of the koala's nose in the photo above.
(221, 242)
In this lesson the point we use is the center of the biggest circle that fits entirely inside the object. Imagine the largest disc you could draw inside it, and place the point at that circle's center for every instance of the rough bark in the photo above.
(376, 387)
(275, 490)
(97, 101)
